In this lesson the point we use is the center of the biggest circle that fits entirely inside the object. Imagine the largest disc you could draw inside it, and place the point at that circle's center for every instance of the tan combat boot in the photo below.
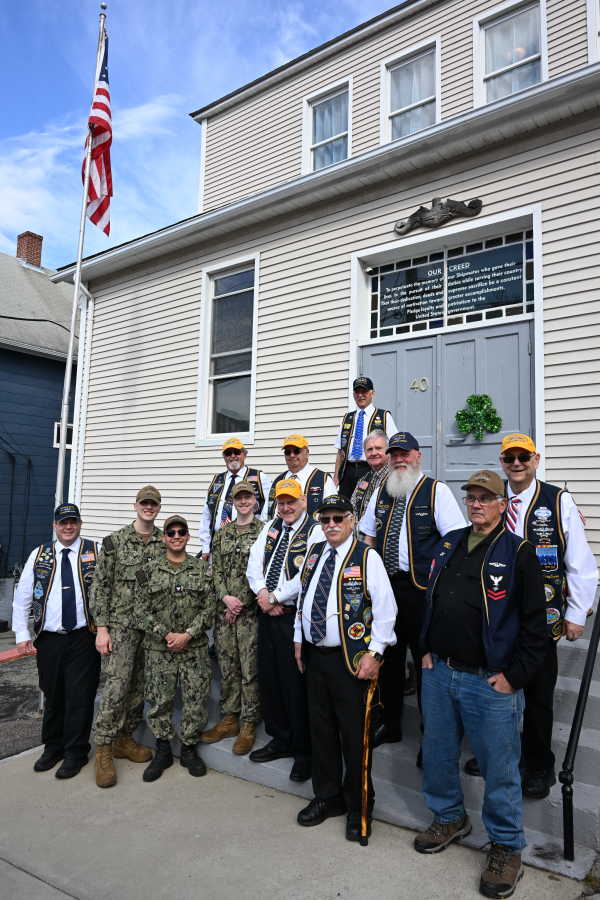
(245, 741)
(227, 727)
(106, 774)
(126, 748)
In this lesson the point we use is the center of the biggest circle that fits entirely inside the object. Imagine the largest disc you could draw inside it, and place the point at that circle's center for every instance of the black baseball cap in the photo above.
(66, 511)
(403, 440)
(362, 383)
(336, 501)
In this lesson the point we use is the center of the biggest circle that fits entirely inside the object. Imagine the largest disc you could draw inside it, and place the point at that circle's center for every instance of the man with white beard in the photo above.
(404, 521)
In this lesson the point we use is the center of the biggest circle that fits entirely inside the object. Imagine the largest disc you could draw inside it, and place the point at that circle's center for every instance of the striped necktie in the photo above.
(358, 436)
(318, 612)
(69, 608)
(227, 504)
(512, 513)
(274, 572)
(390, 550)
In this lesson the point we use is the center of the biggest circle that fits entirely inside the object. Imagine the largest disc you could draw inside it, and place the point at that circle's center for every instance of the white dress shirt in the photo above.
(446, 512)
(204, 530)
(383, 604)
(580, 566)
(390, 429)
(23, 598)
(304, 474)
(256, 575)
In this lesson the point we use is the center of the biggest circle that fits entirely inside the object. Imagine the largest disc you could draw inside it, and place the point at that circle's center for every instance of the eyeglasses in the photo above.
(292, 451)
(469, 500)
(176, 532)
(509, 458)
(338, 519)
(232, 452)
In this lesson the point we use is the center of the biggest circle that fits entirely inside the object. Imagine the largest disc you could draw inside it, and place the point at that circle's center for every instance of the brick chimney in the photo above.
(29, 248)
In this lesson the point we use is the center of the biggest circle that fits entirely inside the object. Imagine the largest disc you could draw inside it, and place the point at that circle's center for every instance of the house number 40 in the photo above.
(419, 384)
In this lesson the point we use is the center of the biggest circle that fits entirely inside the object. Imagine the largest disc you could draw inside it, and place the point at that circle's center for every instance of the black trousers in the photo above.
(69, 671)
(536, 741)
(409, 622)
(353, 472)
(282, 687)
(336, 708)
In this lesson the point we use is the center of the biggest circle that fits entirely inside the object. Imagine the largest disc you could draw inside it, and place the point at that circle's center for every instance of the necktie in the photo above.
(390, 551)
(277, 561)
(318, 613)
(69, 609)
(512, 513)
(228, 503)
(358, 436)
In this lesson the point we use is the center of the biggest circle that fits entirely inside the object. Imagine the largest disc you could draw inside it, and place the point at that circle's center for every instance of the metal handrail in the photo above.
(566, 773)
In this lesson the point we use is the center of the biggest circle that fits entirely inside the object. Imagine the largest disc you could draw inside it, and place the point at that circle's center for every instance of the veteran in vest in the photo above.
(351, 463)
(174, 607)
(484, 638)
(346, 617)
(118, 640)
(315, 484)
(218, 507)
(548, 518)
(404, 521)
(55, 587)
(236, 627)
(375, 447)
(275, 559)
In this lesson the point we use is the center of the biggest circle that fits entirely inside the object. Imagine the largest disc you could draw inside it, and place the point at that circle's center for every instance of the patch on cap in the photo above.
(403, 440)
(291, 487)
(362, 383)
(487, 479)
(66, 511)
(173, 519)
(242, 487)
(336, 501)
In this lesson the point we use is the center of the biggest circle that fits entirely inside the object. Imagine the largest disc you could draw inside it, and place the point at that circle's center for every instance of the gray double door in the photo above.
(424, 381)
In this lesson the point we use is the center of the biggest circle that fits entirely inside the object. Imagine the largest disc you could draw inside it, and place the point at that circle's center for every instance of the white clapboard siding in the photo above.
(257, 143)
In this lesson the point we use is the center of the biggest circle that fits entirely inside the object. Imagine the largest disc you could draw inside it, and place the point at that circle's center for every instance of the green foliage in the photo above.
(478, 417)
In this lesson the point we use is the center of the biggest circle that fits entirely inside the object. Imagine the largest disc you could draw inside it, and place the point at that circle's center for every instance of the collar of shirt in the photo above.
(341, 550)
(74, 546)
(295, 525)
(302, 474)
(241, 474)
(368, 411)
(525, 496)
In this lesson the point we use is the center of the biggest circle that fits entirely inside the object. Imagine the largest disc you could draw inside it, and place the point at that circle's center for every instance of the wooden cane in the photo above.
(366, 751)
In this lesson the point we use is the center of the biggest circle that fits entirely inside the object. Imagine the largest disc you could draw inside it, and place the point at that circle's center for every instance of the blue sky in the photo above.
(166, 58)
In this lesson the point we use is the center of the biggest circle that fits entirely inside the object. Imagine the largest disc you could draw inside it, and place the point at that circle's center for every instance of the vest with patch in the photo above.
(501, 620)
(215, 490)
(314, 489)
(421, 531)
(296, 552)
(44, 571)
(375, 423)
(355, 613)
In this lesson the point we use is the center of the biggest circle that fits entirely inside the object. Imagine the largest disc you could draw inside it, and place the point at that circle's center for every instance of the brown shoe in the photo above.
(227, 727)
(245, 741)
(440, 834)
(106, 774)
(126, 748)
(502, 872)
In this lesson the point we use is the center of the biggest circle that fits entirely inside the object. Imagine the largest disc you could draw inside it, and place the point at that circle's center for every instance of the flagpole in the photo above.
(64, 417)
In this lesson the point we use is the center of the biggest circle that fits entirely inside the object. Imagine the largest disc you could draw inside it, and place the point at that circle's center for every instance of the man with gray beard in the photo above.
(405, 520)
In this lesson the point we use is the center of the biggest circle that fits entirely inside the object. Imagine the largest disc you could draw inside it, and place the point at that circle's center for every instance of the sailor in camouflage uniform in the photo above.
(236, 629)
(174, 607)
(119, 642)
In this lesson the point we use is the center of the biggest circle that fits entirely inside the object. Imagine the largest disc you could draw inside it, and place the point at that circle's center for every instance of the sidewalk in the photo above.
(213, 838)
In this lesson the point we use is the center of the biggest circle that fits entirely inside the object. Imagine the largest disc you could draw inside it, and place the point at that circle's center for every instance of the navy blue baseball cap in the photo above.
(403, 440)
(336, 501)
(66, 511)
(362, 383)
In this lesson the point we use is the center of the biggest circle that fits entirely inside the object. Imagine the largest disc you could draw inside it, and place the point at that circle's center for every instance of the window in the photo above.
(56, 439)
(510, 51)
(327, 128)
(231, 351)
(411, 93)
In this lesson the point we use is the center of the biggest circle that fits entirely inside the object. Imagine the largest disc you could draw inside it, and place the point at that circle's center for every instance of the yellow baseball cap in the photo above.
(291, 487)
(523, 441)
(295, 440)
(232, 443)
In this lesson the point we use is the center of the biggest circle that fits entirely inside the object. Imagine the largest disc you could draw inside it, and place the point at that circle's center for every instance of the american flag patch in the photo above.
(273, 533)
(87, 557)
(352, 572)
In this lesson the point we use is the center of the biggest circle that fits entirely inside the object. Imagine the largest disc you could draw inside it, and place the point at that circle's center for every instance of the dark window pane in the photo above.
(419, 260)
(494, 314)
(237, 362)
(494, 242)
(513, 238)
(386, 332)
(388, 268)
(403, 264)
(529, 271)
(231, 405)
(529, 291)
(232, 322)
(474, 317)
(374, 320)
(456, 251)
(434, 257)
(375, 284)
(529, 250)
(473, 248)
(237, 282)
(374, 302)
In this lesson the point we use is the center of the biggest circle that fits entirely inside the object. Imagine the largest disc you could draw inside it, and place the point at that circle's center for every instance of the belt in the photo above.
(288, 608)
(463, 667)
(316, 647)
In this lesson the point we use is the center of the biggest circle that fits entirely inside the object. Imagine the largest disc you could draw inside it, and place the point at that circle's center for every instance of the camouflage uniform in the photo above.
(236, 643)
(175, 598)
(122, 704)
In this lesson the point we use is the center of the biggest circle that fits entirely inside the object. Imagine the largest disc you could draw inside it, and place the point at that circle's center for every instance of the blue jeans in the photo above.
(458, 703)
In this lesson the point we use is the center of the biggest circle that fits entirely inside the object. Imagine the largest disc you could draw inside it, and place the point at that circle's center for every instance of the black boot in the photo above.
(163, 758)
(191, 761)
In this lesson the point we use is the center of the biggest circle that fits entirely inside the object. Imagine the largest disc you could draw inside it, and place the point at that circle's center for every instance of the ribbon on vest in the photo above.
(543, 528)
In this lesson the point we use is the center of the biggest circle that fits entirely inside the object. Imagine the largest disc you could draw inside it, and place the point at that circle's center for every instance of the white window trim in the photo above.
(593, 21)
(385, 122)
(508, 6)
(204, 437)
(307, 104)
(56, 441)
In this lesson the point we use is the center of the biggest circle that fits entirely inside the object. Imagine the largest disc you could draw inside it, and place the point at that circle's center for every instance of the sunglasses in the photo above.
(176, 532)
(509, 458)
(232, 453)
(292, 451)
(338, 519)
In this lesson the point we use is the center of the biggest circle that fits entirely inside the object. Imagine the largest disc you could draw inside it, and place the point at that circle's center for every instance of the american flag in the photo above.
(100, 126)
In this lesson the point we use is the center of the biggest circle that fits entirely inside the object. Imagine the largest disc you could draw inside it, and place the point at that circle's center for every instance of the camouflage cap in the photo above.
(148, 492)
(172, 520)
(486, 479)
(242, 487)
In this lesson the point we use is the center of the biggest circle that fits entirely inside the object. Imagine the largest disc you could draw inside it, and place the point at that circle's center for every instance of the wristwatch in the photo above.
(272, 599)
(375, 655)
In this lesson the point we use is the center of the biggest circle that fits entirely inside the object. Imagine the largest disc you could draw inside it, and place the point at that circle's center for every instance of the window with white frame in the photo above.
(56, 436)
(329, 128)
(231, 348)
(412, 94)
(511, 45)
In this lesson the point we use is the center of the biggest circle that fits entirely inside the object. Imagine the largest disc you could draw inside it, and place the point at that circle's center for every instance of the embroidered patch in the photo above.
(356, 631)
(355, 603)
(447, 545)
(547, 555)
(312, 559)
(298, 560)
(88, 557)
(362, 485)
(543, 513)
(550, 592)
(352, 572)
(252, 478)
(38, 591)
(367, 615)
(552, 616)
(495, 595)
(346, 615)
(496, 579)
(273, 533)
(497, 565)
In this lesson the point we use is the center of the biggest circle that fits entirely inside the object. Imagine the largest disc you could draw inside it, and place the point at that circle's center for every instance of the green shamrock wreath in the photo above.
(479, 416)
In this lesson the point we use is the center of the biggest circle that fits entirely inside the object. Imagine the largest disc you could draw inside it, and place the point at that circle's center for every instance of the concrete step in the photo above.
(572, 656)
(565, 700)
